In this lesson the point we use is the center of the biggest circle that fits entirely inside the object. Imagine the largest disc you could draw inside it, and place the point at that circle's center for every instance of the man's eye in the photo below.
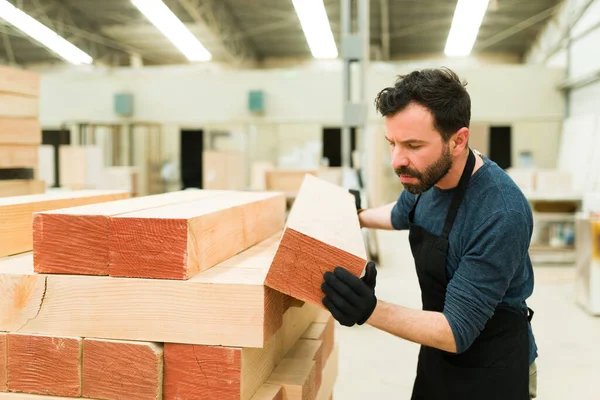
(413, 146)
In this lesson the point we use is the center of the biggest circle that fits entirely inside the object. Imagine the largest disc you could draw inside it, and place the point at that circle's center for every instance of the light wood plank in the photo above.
(269, 392)
(322, 232)
(3, 358)
(75, 240)
(44, 365)
(312, 350)
(16, 214)
(177, 242)
(19, 81)
(21, 187)
(15, 156)
(211, 372)
(297, 377)
(20, 131)
(122, 370)
(16, 106)
(329, 376)
(217, 307)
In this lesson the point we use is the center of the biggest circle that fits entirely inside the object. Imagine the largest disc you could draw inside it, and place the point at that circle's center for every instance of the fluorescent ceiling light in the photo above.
(317, 30)
(43, 34)
(163, 18)
(468, 16)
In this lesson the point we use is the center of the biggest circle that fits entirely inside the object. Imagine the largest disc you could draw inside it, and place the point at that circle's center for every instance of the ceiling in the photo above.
(114, 32)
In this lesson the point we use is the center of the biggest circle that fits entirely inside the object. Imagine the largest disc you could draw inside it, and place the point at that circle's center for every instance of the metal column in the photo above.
(355, 55)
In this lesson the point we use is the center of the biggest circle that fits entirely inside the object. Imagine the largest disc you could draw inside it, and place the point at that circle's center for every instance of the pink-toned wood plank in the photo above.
(75, 240)
(19, 81)
(122, 370)
(322, 232)
(44, 365)
(177, 242)
(20, 131)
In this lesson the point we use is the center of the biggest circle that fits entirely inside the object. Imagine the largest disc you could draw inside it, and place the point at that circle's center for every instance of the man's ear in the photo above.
(459, 141)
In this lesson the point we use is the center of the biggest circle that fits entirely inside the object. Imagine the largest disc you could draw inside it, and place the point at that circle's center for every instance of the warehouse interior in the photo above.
(134, 100)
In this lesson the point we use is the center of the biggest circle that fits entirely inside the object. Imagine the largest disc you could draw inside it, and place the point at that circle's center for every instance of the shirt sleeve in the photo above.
(401, 209)
(493, 253)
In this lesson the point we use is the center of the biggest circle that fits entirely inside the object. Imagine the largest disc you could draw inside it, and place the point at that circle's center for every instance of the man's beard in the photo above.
(430, 177)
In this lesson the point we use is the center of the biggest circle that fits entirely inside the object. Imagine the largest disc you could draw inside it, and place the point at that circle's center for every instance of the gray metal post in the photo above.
(355, 49)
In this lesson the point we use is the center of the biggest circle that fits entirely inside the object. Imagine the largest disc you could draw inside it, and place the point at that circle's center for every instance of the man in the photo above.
(469, 231)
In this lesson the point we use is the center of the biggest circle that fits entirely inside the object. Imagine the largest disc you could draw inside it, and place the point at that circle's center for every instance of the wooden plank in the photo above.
(19, 81)
(211, 372)
(324, 331)
(18, 155)
(16, 173)
(312, 350)
(122, 370)
(227, 306)
(21, 187)
(23, 396)
(15, 106)
(44, 365)
(20, 131)
(322, 232)
(177, 242)
(286, 180)
(16, 214)
(76, 240)
(3, 359)
(329, 376)
(297, 377)
(269, 392)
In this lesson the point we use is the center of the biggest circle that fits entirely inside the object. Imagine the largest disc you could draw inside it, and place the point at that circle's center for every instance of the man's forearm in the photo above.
(377, 218)
(424, 327)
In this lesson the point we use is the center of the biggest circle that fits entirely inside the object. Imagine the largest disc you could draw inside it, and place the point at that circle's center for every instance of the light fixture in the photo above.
(315, 24)
(165, 21)
(468, 16)
(44, 35)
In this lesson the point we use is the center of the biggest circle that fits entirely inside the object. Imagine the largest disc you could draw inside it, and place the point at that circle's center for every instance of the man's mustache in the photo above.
(408, 172)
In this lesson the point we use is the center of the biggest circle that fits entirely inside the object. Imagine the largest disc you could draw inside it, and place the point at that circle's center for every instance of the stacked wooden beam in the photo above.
(160, 297)
(20, 132)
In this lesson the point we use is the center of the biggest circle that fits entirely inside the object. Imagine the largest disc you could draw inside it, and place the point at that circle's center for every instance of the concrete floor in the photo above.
(379, 366)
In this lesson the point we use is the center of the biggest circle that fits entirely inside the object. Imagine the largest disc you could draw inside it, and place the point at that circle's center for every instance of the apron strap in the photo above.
(459, 194)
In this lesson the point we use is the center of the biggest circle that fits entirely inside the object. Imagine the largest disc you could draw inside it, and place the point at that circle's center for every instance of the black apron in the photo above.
(496, 366)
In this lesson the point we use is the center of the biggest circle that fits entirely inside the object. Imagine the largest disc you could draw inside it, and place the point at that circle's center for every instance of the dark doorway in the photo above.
(192, 145)
(500, 146)
(56, 138)
(332, 145)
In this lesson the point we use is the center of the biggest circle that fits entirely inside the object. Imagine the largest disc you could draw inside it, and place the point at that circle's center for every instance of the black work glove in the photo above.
(351, 300)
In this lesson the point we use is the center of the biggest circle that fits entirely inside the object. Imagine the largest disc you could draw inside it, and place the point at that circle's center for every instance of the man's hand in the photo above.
(351, 300)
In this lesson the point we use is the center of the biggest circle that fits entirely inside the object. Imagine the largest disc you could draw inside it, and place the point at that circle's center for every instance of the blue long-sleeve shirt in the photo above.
(488, 260)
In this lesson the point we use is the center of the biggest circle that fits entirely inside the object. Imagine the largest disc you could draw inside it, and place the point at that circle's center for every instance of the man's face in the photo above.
(419, 155)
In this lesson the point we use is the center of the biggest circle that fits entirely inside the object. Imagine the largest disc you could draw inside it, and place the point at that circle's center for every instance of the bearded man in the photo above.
(469, 230)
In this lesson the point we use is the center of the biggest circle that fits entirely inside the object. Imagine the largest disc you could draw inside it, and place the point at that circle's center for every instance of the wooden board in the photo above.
(269, 392)
(23, 396)
(286, 180)
(324, 331)
(329, 376)
(312, 350)
(20, 131)
(19, 81)
(3, 358)
(21, 187)
(90, 162)
(122, 370)
(226, 306)
(14, 156)
(179, 241)
(16, 173)
(297, 377)
(16, 106)
(16, 214)
(44, 365)
(75, 240)
(322, 232)
(211, 372)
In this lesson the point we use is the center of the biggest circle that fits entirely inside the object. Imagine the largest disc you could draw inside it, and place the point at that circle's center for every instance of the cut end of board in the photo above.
(154, 251)
(70, 244)
(300, 262)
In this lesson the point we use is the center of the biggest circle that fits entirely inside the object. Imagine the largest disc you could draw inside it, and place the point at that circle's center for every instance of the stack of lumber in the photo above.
(20, 132)
(160, 297)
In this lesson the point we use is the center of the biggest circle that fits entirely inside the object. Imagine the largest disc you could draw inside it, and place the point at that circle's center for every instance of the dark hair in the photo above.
(439, 90)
